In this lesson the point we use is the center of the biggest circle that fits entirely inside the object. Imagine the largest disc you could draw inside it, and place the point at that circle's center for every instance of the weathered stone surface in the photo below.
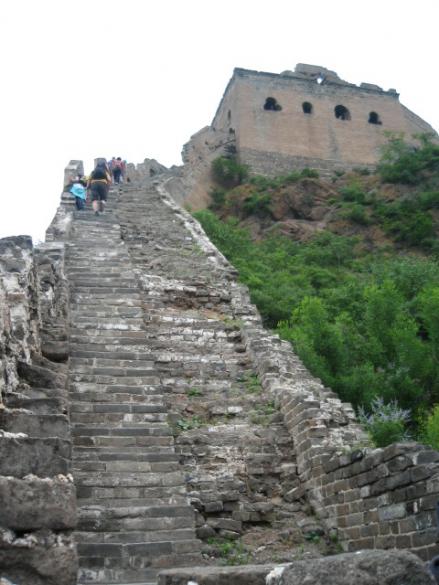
(362, 568)
(40, 377)
(34, 425)
(33, 503)
(21, 455)
(245, 575)
(41, 558)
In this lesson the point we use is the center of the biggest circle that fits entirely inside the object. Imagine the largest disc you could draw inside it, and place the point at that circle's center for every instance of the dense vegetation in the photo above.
(365, 322)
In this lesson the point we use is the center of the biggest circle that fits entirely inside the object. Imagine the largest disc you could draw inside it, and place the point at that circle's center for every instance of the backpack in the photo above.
(99, 173)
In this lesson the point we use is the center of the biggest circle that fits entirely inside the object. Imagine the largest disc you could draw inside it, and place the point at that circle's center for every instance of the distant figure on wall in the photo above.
(117, 168)
(99, 183)
(79, 192)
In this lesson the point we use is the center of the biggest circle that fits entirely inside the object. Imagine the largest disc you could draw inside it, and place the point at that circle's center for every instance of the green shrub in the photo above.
(353, 193)
(357, 214)
(227, 172)
(406, 220)
(262, 183)
(429, 200)
(367, 325)
(430, 431)
(257, 204)
(415, 229)
(218, 197)
(408, 163)
(309, 173)
(385, 423)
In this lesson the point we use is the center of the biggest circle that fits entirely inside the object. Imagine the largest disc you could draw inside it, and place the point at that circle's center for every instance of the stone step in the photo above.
(128, 430)
(132, 396)
(80, 311)
(88, 265)
(100, 272)
(104, 455)
(112, 343)
(119, 387)
(113, 503)
(106, 324)
(80, 335)
(104, 290)
(102, 379)
(160, 494)
(134, 518)
(115, 408)
(114, 540)
(116, 418)
(104, 299)
(139, 441)
(128, 479)
(101, 282)
(81, 301)
(110, 354)
(109, 362)
(124, 466)
(113, 372)
(162, 448)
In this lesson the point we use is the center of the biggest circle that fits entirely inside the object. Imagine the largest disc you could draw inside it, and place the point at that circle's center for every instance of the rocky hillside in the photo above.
(299, 205)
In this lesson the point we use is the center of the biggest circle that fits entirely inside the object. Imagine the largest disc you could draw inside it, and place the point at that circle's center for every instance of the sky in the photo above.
(136, 78)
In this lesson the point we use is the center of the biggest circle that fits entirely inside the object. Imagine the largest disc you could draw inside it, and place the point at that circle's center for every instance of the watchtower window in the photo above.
(307, 108)
(374, 118)
(342, 113)
(271, 104)
(229, 116)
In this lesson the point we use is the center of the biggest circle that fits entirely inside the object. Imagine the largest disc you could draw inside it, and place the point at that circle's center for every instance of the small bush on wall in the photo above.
(227, 172)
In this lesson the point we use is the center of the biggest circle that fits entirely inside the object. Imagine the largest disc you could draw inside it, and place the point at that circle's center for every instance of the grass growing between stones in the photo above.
(230, 552)
(189, 423)
(251, 383)
(192, 392)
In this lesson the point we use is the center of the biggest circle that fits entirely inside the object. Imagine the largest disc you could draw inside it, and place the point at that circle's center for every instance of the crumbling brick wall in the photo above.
(368, 498)
(37, 495)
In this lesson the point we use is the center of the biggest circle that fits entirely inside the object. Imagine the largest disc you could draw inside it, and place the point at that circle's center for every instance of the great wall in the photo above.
(146, 415)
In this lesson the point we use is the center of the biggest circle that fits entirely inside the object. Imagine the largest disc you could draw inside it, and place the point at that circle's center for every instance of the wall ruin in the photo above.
(38, 501)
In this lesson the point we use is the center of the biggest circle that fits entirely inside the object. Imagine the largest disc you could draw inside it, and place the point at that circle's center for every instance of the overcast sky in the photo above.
(136, 78)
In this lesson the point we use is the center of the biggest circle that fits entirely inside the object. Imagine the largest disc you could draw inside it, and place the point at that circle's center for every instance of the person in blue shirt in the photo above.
(79, 191)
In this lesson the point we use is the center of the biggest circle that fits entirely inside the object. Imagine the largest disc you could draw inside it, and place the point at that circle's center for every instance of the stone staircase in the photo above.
(160, 377)
(134, 516)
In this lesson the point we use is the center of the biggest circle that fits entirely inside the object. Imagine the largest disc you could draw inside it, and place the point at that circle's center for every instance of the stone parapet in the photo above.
(35, 444)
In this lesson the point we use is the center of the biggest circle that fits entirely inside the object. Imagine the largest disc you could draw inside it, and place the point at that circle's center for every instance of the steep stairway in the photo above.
(134, 517)
(160, 377)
